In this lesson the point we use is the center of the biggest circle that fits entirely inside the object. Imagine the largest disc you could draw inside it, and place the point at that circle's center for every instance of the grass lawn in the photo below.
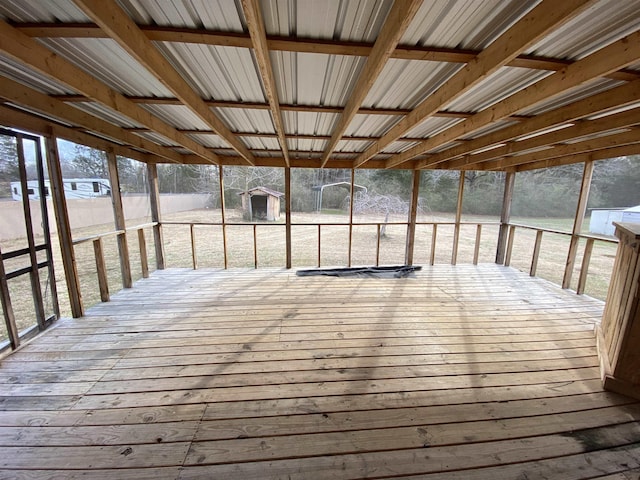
(270, 241)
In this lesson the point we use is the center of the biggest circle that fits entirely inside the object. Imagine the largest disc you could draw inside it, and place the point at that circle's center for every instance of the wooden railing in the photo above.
(586, 257)
(98, 250)
(320, 226)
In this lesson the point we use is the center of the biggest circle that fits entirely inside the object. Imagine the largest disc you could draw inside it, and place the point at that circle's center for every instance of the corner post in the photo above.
(456, 228)
(119, 220)
(505, 216)
(64, 229)
(156, 214)
(581, 209)
(413, 213)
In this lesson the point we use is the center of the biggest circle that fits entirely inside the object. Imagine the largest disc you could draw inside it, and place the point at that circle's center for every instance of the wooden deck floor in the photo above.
(459, 373)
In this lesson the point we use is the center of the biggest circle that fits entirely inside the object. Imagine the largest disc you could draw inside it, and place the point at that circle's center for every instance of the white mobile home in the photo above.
(73, 188)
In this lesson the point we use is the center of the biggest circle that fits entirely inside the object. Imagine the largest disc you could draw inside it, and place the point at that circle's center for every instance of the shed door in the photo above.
(27, 279)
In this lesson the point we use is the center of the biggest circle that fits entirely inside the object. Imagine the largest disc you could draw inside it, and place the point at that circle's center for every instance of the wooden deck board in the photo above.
(461, 372)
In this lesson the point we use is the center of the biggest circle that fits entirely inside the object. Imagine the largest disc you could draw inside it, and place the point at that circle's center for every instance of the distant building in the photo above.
(602, 219)
(261, 203)
(73, 188)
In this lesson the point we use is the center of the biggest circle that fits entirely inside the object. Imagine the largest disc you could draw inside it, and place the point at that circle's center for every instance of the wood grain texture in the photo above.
(459, 372)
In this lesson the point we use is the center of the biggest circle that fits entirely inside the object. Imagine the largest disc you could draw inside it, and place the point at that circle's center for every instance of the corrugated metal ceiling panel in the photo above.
(24, 75)
(221, 73)
(241, 120)
(42, 11)
(307, 144)
(108, 62)
(371, 125)
(308, 123)
(178, 116)
(432, 126)
(261, 143)
(470, 24)
(351, 146)
(494, 127)
(105, 113)
(406, 83)
(502, 84)
(210, 14)
(573, 95)
(399, 147)
(208, 139)
(599, 25)
(157, 138)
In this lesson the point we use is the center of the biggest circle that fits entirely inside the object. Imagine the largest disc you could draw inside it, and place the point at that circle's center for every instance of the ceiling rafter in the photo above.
(24, 96)
(615, 140)
(32, 123)
(610, 58)
(255, 23)
(616, 97)
(524, 33)
(396, 23)
(299, 44)
(583, 128)
(113, 20)
(34, 55)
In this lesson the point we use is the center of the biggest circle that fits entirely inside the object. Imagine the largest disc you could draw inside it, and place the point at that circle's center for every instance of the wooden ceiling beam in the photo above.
(303, 45)
(610, 58)
(583, 128)
(19, 94)
(119, 26)
(34, 55)
(255, 23)
(396, 23)
(21, 120)
(616, 140)
(621, 96)
(545, 17)
(603, 154)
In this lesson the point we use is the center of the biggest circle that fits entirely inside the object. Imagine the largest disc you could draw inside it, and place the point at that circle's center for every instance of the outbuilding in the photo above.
(261, 203)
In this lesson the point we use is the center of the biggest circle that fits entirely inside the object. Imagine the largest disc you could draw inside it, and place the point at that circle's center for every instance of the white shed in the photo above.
(602, 219)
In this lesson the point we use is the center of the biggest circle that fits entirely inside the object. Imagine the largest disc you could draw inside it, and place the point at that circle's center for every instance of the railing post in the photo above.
(505, 216)
(118, 215)
(194, 254)
(378, 246)
(101, 270)
(577, 223)
(413, 213)
(434, 235)
(156, 216)
(584, 268)
(255, 246)
(476, 250)
(224, 221)
(512, 234)
(142, 246)
(353, 175)
(319, 244)
(456, 228)
(63, 227)
(536, 254)
(287, 214)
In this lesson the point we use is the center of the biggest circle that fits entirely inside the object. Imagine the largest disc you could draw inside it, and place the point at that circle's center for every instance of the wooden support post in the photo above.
(584, 269)
(378, 247)
(413, 213)
(512, 235)
(287, 213)
(101, 269)
(319, 244)
(456, 228)
(255, 246)
(142, 246)
(64, 229)
(224, 221)
(7, 309)
(581, 209)
(434, 235)
(536, 254)
(34, 274)
(476, 250)
(505, 216)
(119, 219)
(156, 215)
(619, 331)
(194, 254)
(353, 176)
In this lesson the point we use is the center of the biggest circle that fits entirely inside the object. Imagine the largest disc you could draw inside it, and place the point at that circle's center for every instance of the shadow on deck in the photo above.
(461, 372)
